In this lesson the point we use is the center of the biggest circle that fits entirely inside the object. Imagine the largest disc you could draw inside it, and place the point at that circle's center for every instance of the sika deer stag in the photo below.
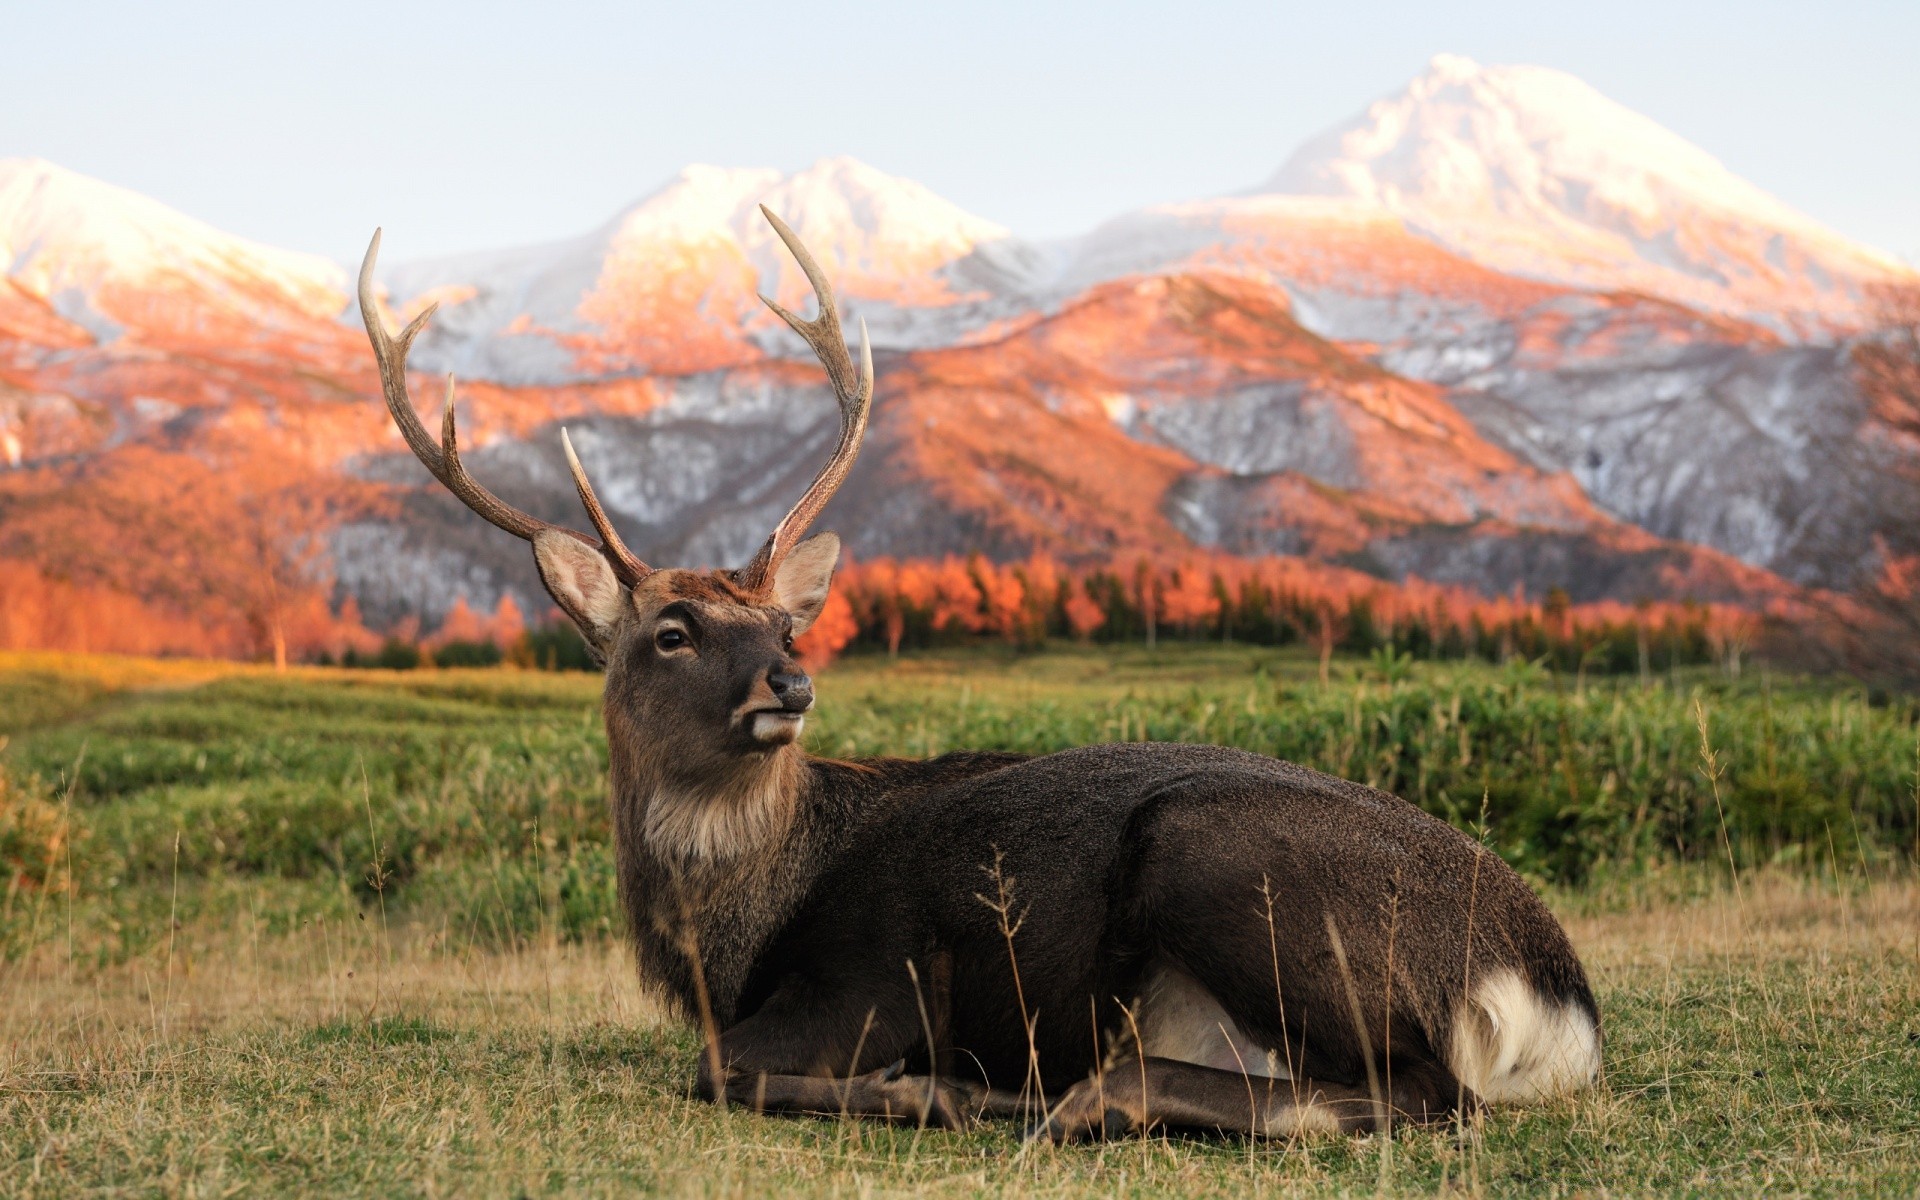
(1107, 939)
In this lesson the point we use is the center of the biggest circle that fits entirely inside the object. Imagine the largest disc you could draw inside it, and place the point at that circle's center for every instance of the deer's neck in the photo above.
(713, 868)
(699, 826)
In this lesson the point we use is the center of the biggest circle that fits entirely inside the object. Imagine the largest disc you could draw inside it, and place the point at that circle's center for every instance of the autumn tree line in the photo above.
(887, 606)
(890, 606)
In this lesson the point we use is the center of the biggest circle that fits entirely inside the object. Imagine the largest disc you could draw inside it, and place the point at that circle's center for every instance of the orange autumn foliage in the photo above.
(1084, 616)
(41, 612)
(829, 633)
(503, 628)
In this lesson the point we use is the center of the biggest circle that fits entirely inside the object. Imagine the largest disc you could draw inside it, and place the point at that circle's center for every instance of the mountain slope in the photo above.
(1696, 427)
(1148, 417)
(116, 263)
(669, 285)
(1532, 172)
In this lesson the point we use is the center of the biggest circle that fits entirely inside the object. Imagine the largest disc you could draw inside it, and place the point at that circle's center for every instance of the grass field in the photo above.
(354, 932)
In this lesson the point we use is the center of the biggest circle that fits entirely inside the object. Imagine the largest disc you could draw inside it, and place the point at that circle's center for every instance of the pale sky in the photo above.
(478, 125)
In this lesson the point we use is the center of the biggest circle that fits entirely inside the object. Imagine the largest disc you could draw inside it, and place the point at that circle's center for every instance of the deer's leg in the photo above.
(813, 1050)
(985, 1102)
(889, 1094)
(1137, 1094)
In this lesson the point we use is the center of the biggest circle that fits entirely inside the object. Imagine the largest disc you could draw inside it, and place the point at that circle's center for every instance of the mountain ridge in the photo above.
(1311, 375)
(670, 283)
(1532, 171)
(98, 255)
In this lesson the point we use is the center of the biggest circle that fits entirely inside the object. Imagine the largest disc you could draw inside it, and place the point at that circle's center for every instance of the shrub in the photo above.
(36, 848)
(555, 646)
(35, 837)
(467, 654)
(393, 655)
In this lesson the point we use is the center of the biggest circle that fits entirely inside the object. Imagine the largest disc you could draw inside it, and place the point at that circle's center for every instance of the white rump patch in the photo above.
(1511, 1045)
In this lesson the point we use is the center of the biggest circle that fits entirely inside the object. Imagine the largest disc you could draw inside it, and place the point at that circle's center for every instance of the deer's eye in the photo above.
(671, 639)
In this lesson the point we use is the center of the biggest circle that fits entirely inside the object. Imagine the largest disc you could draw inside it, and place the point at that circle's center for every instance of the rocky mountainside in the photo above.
(1504, 333)
(1696, 426)
(1151, 416)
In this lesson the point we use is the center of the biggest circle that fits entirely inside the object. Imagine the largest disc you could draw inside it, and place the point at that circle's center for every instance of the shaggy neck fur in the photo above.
(711, 865)
(720, 822)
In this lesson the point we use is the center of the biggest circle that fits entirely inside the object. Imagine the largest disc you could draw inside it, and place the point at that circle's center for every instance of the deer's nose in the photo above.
(794, 690)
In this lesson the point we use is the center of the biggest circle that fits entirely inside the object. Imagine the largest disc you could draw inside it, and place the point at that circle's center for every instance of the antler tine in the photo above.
(625, 564)
(823, 332)
(443, 460)
(853, 389)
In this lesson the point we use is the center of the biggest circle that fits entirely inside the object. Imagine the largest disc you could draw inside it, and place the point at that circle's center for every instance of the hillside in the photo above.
(1433, 347)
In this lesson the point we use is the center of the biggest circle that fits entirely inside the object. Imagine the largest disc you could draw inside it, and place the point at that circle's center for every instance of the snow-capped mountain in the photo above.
(669, 285)
(1531, 171)
(1499, 331)
(110, 260)
(1701, 428)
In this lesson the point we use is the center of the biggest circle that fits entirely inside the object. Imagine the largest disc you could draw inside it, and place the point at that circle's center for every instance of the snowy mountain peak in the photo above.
(668, 284)
(82, 245)
(1451, 66)
(700, 201)
(1532, 171)
(1467, 136)
(853, 216)
(847, 194)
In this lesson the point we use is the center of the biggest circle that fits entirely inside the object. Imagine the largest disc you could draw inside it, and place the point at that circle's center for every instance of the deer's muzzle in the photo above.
(794, 691)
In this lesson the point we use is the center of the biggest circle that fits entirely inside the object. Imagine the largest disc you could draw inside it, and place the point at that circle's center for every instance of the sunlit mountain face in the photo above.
(1532, 172)
(113, 262)
(669, 286)
(1496, 331)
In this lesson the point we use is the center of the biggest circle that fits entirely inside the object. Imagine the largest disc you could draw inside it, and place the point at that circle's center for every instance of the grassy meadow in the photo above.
(355, 932)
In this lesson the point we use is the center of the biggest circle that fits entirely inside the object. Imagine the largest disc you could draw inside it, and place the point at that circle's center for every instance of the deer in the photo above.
(1105, 940)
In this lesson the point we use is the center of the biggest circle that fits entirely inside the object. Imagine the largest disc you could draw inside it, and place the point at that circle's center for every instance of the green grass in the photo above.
(355, 932)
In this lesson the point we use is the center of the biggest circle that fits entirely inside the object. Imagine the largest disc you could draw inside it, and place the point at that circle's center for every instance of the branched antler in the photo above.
(443, 460)
(853, 389)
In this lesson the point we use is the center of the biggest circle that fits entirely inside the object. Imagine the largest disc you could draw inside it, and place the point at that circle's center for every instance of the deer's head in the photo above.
(699, 663)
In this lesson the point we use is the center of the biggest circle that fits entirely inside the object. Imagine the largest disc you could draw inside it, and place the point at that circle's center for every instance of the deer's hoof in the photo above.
(1082, 1115)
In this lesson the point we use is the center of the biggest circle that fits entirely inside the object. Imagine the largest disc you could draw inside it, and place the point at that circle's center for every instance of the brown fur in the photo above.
(737, 857)
(703, 831)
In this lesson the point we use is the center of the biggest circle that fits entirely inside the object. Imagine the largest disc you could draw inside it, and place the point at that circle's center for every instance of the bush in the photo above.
(35, 836)
(36, 846)
(393, 655)
(467, 654)
(555, 646)
(397, 655)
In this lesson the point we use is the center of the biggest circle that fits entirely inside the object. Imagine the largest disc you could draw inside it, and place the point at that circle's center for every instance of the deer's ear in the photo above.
(800, 585)
(582, 583)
